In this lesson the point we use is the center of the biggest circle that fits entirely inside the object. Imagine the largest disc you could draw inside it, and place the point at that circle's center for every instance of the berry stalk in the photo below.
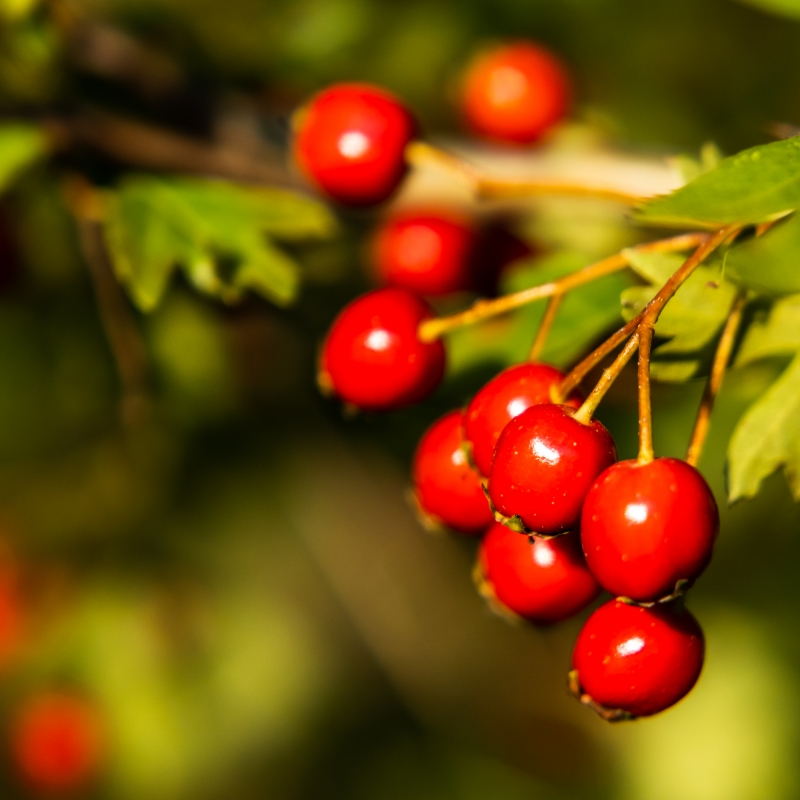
(718, 367)
(433, 329)
(553, 304)
(646, 454)
(485, 188)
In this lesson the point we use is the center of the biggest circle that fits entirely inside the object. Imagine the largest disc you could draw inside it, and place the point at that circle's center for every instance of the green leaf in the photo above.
(768, 263)
(768, 437)
(773, 334)
(691, 168)
(753, 186)
(586, 313)
(695, 314)
(784, 8)
(216, 232)
(20, 146)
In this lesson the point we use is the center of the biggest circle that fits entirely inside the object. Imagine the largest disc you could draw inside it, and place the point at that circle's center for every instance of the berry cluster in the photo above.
(525, 464)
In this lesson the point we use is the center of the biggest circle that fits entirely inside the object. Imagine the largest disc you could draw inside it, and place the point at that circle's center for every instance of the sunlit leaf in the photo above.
(768, 263)
(218, 233)
(752, 186)
(20, 146)
(768, 437)
(773, 334)
(785, 8)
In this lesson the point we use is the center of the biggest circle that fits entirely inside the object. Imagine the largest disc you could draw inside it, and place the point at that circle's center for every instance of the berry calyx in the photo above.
(514, 93)
(447, 489)
(427, 253)
(504, 397)
(541, 580)
(631, 661)
(373, 357)
(350, 139)
(645, 528)
(544, 464)
(57, 742)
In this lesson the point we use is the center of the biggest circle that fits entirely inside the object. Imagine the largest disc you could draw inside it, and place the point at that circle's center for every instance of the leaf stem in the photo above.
(718, 367)
(420, 153)
(553, 304)
(432, 329)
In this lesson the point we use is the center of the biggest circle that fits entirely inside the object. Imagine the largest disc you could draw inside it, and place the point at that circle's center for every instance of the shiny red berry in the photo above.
(428, 253)
(638, 660)
(645, 527)
(544, 464)
(57, 742)
(506, 396)
(543, 580)
(351, 140)
(447, 489)
(373, 357)
(515, 93)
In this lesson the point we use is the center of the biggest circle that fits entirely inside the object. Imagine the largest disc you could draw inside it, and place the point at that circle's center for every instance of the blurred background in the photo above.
(236, 581)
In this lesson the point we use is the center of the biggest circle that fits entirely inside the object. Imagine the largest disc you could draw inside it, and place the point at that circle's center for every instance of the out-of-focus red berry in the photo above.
(446, 487)
(57, 742)
(430, 253)
(506, 396)
(373, 357)
(350, 139)
(514, 93)
(543, 580)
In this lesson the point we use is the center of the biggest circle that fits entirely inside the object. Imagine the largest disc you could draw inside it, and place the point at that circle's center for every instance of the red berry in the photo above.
(638, 660)
(515, 93)
(427, 253)
(645, 527)
(544, 464)
(57, 742)
(373, 357)
(351, 140)
(543, 580)
(506, 396)
(446, 487)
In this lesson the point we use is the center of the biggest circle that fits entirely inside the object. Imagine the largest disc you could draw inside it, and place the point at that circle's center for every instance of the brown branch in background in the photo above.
(150, 147)
(423, 154)
(718, 367)
(119, 324)
(553, 304)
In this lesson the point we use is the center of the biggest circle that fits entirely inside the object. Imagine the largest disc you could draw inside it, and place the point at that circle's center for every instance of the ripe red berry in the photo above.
(428, 253)
(57, 742)
(515, 93)
(506, 396)
(446, 487)
(373, 357)
(351, 140)
(544, 464)
(544, 580)
(645, 527)
(638, 660)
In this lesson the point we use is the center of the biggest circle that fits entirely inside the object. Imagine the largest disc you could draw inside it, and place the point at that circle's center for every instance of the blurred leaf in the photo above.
(769, 263)
(694, 315)
(20, 146)
(585, 314)
(216, 232)
(16, 9)
(690, 167)
(752, 186)
(775, 335)
(768, 437)
(786, 8)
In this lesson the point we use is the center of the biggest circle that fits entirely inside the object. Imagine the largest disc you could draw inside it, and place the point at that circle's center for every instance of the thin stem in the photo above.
(585, 413)
(648, 318)
(553, 304)
(432, 329)
(645, 406)
(718, 367)
(422, 153)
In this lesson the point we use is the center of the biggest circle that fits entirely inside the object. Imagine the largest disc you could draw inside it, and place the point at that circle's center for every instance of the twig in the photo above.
(483, 309)
(553, 304)
(122, 333)
(718, 367)
(422, 154)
